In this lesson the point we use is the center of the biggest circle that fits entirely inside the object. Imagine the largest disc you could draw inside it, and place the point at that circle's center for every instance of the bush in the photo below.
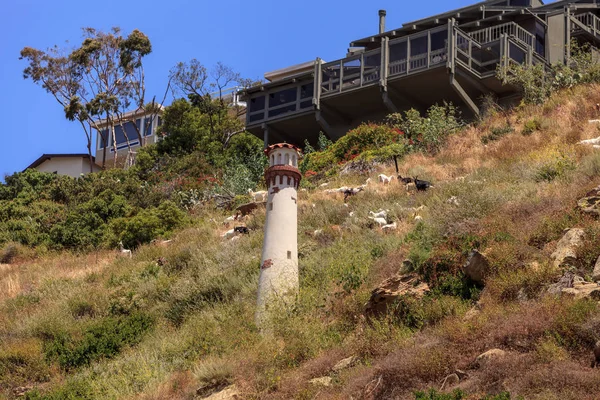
(103, 339)
(497, 133)
(428, 133)
(531, 126)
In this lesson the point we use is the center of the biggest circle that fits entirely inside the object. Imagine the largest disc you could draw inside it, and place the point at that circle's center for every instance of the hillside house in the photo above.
(73, 165)
(137, 128)
(453, 56)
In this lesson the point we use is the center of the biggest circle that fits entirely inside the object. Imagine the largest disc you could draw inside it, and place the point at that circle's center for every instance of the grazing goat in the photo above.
(352, 191)
(385, 179)
(124, 252)
(379, 214)
(259, 196)
(389, 227)
(229, 219)
(596, 359)
(242, 229)
(406, 181)
(422, 185)
(228, 234)
(378, 220)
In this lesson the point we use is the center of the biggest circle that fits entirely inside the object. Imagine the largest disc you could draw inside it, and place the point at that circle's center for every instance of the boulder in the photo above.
(566, 249)
(322, 381)
(229, 393)
(483, 359)
(581, 290)
(390, 289)
(590, 204)
(477, 267)
(596, 273)
(344, 364)
(565, 282)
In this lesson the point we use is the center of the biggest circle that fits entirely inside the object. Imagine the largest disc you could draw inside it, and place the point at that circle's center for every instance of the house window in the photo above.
(257, 104)
(130, 133)
(101, 136)
(148, 123)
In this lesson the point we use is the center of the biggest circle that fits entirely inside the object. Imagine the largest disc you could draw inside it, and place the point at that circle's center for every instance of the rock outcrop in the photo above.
(344, 364)
(477, 267)
(229, 393)
(596, 272)
(590, 204)
(483, 359)
(390, 289)
(566, 249)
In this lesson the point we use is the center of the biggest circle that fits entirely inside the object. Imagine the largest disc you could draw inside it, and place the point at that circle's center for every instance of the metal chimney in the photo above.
(381, 21)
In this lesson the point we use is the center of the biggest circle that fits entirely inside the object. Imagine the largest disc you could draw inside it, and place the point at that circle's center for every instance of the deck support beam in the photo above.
(463, 94)
(389, 104)
(265, 129)
(329, 131)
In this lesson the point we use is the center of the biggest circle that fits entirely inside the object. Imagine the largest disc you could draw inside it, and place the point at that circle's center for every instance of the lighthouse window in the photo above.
(294, 161)
(287, 159)
(278, 159)
(289, 255)
(270, 206)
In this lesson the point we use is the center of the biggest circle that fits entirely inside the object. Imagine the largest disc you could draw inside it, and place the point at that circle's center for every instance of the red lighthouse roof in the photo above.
(272, 147)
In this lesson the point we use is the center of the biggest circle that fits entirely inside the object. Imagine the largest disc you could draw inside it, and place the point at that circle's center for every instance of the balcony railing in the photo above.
(503, 44)
(590, 20)
(494, 33)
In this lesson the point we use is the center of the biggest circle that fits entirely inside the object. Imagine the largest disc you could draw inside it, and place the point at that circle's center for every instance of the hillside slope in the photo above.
(176, 320)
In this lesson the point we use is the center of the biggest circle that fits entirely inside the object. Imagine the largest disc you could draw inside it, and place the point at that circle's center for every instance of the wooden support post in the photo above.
(463, 95)
(318, 85)
(265, 129)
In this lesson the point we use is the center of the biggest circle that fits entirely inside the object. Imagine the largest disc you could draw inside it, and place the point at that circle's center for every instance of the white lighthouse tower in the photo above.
(278, 282)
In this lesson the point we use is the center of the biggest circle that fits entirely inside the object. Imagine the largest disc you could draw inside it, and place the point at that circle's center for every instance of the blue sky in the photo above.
(250, 36)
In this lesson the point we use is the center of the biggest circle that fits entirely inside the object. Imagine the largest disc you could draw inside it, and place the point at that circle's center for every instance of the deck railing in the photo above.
(494, 33)
(396, 58)
(588, 19)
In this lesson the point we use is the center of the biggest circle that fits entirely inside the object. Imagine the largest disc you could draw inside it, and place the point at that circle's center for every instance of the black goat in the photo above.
(406, 181)
(422, 185)
(242, 229)
(351, 192)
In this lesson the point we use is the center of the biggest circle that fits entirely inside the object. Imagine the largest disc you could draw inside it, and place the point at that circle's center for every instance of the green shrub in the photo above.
(531, 126)
(555, 168)
(103, 339)
(428, 132)
(433, 394)
(496, 133)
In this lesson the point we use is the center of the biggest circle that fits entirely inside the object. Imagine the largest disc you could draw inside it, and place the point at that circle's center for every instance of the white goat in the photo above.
(379, 221)
(258, 196)
(124, 252)
(228, 234)
(389, 227)
(385, 179)
(379, 214)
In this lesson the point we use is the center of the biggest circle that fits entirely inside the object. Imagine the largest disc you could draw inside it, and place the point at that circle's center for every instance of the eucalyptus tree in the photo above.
(206, 90)
(97, 82)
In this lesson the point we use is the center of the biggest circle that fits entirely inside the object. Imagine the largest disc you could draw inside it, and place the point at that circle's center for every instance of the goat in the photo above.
(228, 234)
(378, 220)
(389, 227)
(242, 229)
(405, 181)
(124, 252)
(351, 192)
(379, 214)
(596, 359)
(259, 196)
(422, 185)
(161, 243)
(385, 179)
